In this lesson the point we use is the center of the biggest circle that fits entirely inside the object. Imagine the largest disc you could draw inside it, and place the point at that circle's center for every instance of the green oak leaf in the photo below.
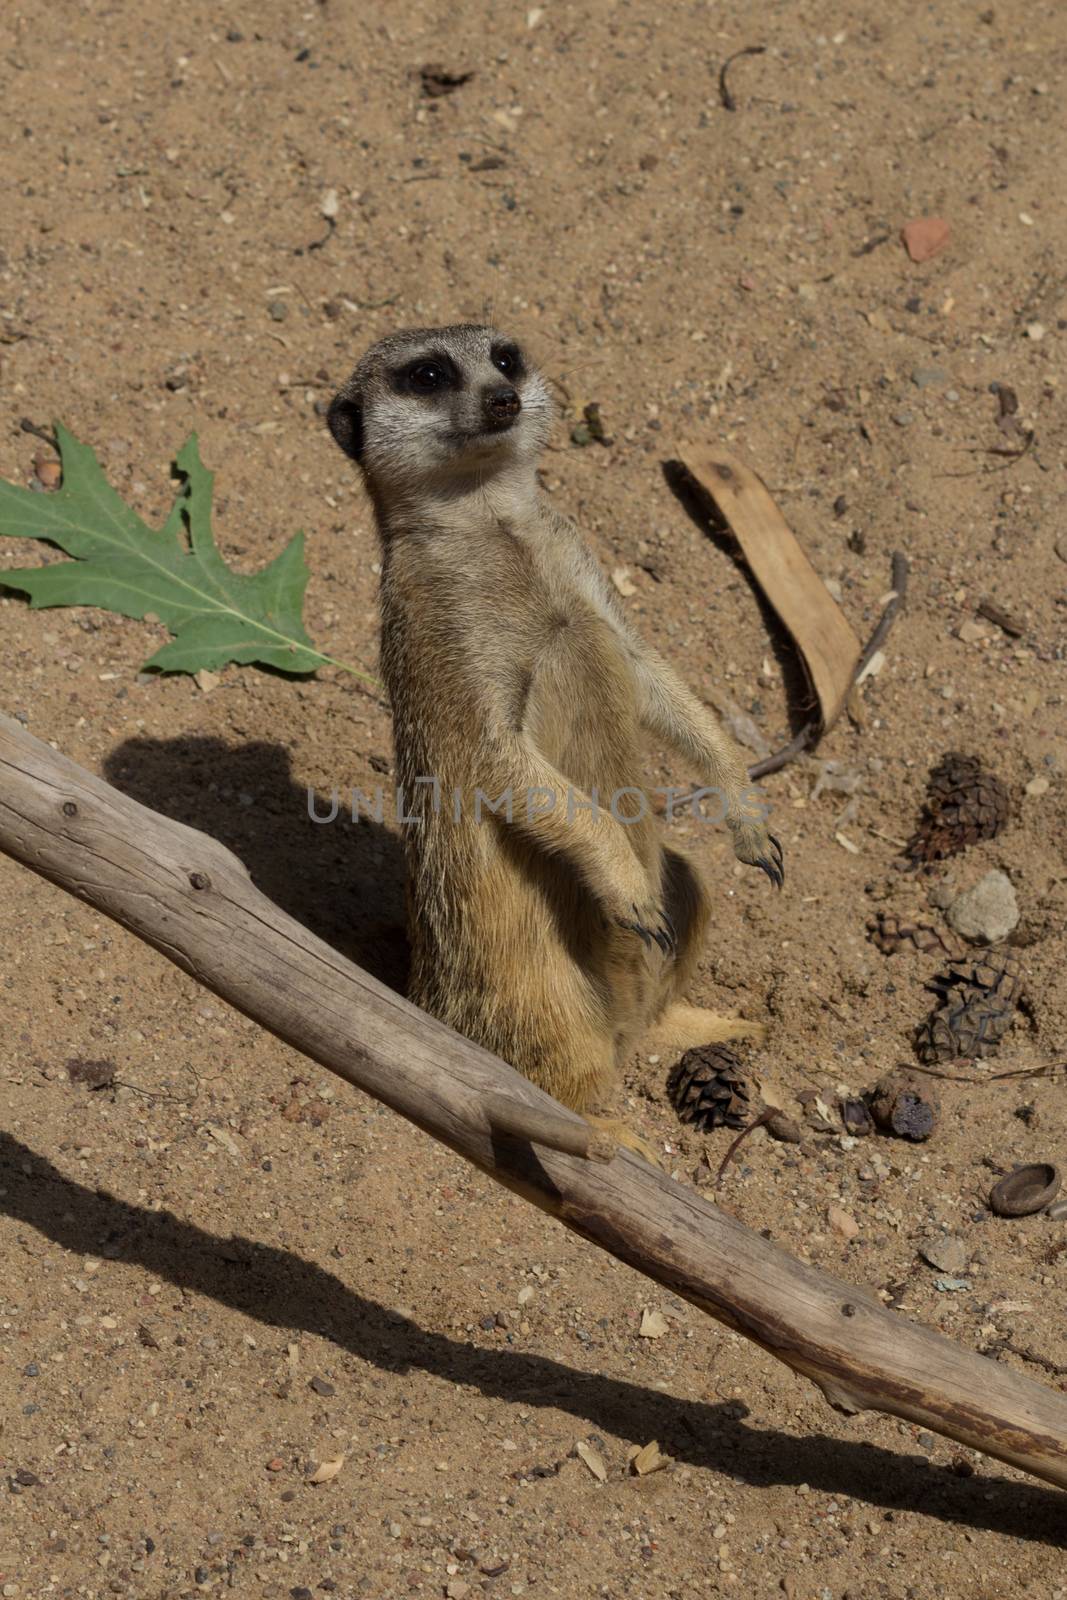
(121, 564)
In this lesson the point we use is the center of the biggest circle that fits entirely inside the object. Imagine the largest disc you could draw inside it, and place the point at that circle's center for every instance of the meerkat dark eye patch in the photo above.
(507, 358)
(428, 376)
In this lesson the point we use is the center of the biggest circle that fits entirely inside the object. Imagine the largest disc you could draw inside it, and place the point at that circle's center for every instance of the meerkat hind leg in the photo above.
(682, 1026)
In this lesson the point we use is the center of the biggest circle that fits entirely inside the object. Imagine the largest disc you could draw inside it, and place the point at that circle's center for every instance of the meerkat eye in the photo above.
(427, 377)
(507, 360)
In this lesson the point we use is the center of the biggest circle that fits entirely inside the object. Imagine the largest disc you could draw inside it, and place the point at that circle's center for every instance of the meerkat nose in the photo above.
(501, 406)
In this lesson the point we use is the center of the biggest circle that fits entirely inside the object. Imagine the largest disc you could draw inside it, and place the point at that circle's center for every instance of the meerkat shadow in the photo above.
(702, 510)
(342, 879)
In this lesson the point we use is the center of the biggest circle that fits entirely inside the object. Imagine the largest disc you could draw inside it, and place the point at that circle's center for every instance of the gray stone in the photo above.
(986, 913)
(928, 377)
(946, 1253)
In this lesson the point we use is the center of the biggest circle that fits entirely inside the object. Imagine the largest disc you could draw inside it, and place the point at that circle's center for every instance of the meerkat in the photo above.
(549, 925)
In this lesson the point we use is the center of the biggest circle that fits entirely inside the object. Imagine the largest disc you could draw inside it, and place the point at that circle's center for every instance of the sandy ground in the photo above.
(228, 1265)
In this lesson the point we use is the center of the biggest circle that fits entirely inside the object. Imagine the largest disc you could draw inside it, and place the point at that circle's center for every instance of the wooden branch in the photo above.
(192, 899)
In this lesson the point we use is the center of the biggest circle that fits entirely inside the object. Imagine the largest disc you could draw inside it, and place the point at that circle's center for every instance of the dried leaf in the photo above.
(649, 1458)
(593, 1460)
(326, 1471)
(222, 1137)
(653, 1324)
(772, 1095)
(783, 571)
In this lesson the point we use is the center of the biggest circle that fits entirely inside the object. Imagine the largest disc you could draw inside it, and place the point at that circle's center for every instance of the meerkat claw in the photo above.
(775, 866)
(639, 928)
(663, 937)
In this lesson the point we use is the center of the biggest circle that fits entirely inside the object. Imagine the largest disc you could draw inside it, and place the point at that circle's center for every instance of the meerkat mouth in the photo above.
(483, 438)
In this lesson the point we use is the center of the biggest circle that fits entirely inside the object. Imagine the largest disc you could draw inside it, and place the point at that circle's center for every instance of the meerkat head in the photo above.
(441, 409)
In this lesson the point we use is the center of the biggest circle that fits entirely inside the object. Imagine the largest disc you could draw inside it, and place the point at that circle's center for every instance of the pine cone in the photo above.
(978, 998)
(709, 1088)
(890, 932)
(964, 805)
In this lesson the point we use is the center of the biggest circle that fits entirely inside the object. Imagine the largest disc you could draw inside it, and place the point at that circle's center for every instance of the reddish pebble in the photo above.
(49, 473)
(275, 1465)
(925, 236)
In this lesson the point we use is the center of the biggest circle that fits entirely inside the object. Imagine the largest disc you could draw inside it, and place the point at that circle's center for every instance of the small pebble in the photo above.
(925, 236)
(947, 1254)
(928, 377)
(970, 632)
(987, 912)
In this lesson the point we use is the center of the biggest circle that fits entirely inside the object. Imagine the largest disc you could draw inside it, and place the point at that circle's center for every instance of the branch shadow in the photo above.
(343, 880)
(281, 1289)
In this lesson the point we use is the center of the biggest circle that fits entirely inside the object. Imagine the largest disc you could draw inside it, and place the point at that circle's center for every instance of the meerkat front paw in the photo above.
(653, 926)
(754, 845)
(645, 916)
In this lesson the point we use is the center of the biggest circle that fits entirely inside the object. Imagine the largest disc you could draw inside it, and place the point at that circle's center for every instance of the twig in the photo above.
(869, 245)
(513, 1119)
(995, 450)
(900, 844)
(1016, 1074)
(29, 426)
(1027, 1353)
(760, 1122)
(830, 1006)
(899, 581)
(807, 736)
(728, 101)
(317, 244)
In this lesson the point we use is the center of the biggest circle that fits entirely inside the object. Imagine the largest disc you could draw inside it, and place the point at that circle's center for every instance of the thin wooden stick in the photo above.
(192, 899)
(812, 732)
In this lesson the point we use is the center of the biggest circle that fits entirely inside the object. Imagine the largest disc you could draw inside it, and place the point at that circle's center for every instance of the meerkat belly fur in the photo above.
(542, 925)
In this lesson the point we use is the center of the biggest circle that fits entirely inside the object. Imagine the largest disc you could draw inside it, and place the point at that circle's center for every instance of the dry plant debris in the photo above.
(979, 995)
(891, 933)
(711, 1089)
(964, 805)
(905, 1105)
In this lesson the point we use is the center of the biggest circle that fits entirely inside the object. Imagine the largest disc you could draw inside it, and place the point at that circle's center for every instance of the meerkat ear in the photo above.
(345, 419)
